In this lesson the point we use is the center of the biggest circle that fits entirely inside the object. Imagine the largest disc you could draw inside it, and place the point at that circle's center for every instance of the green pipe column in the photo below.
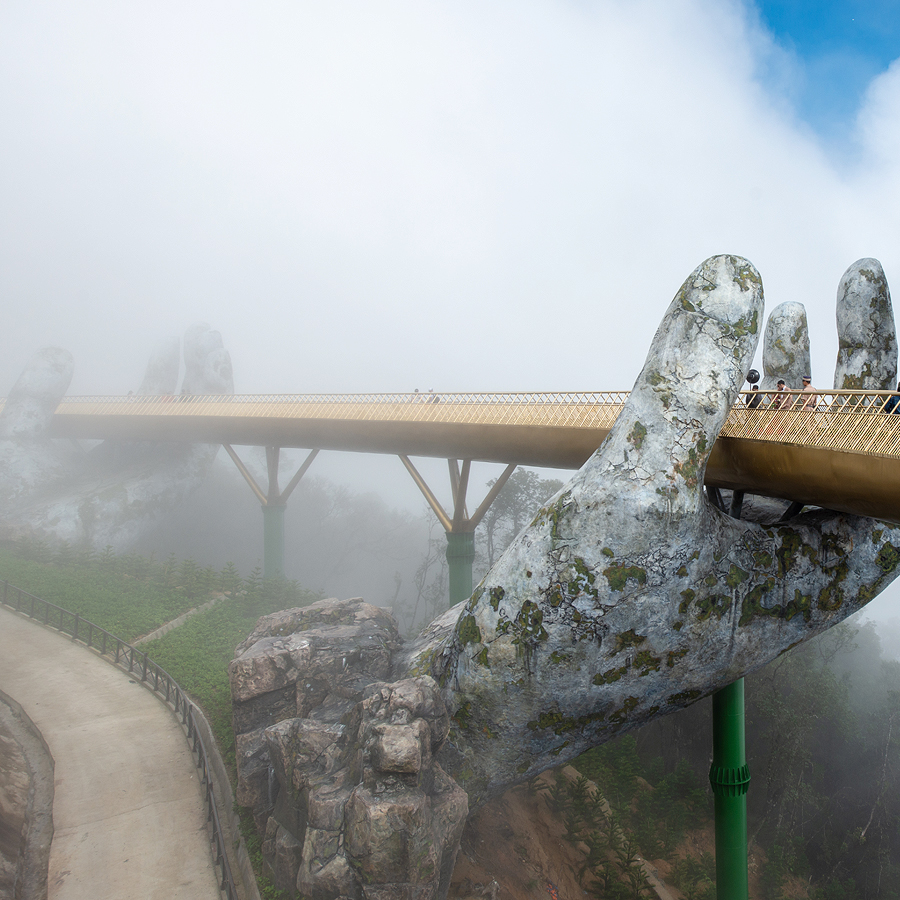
(460, 557)
(730, 777)
(273, 540)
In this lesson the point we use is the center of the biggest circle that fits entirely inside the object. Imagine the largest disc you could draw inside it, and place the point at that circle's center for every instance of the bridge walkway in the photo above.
(835, 449)
(129, 813)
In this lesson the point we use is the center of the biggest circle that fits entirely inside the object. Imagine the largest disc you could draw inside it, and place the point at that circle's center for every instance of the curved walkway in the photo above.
(128, 815)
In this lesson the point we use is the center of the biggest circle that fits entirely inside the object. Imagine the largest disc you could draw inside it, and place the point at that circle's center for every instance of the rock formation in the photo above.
(113, 493)
(345, 785)
(628, 597)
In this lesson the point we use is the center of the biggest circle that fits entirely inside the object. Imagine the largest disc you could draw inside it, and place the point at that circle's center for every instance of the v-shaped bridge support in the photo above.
(459, 526)
(274, 502)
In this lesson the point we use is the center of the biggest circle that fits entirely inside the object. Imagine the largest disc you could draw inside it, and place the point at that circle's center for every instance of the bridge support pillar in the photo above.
(730, 777)
(274, 503)
(460, 527)
(273, 540)
(460, 558)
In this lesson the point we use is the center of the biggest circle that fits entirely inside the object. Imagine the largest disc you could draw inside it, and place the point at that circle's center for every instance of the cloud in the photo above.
(396, 195)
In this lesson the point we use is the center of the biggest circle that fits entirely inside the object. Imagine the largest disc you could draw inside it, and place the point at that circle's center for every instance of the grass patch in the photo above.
(197, 654)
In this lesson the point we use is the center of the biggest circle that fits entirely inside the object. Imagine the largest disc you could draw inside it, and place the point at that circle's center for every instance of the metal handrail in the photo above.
(127, 657)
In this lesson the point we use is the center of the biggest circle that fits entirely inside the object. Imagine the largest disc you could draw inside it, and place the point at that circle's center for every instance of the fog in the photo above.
(383, 197)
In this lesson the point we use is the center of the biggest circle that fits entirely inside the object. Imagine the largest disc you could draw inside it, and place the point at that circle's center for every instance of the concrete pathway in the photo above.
(129, 816)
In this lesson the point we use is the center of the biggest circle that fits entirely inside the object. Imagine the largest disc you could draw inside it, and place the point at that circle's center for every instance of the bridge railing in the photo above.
(865, 422)
(587, 409)
(135, 662)
(852, 421)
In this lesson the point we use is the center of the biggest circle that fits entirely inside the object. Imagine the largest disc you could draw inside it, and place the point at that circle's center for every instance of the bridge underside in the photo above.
(852, 482)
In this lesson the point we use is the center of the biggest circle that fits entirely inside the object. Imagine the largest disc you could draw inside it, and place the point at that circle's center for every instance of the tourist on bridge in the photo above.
(891, 405)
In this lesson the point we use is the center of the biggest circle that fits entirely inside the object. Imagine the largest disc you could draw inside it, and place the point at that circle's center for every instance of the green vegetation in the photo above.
(131, 596)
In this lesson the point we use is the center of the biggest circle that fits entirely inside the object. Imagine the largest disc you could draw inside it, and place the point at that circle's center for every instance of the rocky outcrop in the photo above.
(115, 492)
(337, 764)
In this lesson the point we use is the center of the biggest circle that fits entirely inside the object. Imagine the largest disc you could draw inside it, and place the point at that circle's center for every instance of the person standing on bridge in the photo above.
(892, 404)
(812, 399)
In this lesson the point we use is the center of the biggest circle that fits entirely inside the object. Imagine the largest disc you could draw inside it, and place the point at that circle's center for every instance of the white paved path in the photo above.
(129, 816)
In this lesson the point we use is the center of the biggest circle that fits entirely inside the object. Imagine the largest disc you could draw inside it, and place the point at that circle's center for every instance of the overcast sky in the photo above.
(368, 196)
(447, 194)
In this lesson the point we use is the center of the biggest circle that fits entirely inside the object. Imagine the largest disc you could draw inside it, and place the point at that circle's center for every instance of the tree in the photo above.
(515, 506)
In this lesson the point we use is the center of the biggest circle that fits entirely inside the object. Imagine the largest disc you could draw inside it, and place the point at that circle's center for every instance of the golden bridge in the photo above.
(839, 450)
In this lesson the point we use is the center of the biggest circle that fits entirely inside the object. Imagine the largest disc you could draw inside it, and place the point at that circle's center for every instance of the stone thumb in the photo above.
(658, 449)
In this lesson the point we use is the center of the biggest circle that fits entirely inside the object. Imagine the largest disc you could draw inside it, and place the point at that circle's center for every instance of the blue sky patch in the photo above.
(840, 46)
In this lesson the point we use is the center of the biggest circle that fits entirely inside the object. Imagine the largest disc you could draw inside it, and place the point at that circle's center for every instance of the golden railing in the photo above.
(849, 421)
(594, 409)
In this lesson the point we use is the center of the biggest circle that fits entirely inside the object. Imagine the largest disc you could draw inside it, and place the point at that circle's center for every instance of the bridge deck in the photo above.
(842, 454)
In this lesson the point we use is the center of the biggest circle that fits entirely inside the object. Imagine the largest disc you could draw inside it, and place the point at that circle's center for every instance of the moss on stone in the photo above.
(627, 639)
(636, 435)
(684, 698)
(735, 576)
(610, 675)
(622, 714)
(617, 576)
(888, 557)
(646, 662)
(468, 631)
(496, 595)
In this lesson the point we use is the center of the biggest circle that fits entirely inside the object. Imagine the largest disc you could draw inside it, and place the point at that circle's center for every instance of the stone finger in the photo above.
(695, 367)
(867, 337)
(163, 367)
(786, 347)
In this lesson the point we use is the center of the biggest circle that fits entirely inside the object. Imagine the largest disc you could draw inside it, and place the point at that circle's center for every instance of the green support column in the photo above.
(273, 540)
(460, 557)
(730, 777)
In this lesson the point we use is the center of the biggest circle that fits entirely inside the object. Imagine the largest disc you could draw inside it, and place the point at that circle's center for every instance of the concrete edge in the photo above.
(222, 791)
(34, 857)
(225, 802)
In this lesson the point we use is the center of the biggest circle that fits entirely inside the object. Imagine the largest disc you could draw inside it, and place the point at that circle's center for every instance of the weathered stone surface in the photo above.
(631, 595)
(251, 754)
(786, 347)
(359, 794)
(326, 879)
(268, 665)
(287, 857)
(207, 364)
(867, 338)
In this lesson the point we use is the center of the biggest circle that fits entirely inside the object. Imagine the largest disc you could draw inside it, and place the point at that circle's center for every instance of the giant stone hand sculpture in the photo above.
(111, 494)
(629, 596)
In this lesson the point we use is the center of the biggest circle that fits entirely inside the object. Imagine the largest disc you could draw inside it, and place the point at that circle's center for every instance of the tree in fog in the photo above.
(515, 506)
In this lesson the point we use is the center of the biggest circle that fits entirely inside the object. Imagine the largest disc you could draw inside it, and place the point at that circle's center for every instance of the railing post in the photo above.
(730, 777)
(74, 628)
